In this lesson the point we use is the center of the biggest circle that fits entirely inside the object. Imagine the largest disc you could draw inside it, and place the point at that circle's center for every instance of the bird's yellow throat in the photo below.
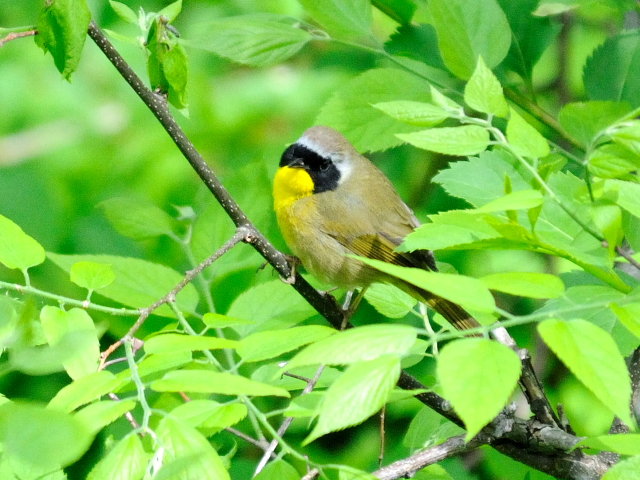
(291, 184)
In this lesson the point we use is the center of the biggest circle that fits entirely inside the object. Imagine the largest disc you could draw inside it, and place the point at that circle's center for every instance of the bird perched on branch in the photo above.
(332, 202)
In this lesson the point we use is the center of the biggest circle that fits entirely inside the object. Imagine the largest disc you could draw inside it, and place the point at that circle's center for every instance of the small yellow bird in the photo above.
(331, 202)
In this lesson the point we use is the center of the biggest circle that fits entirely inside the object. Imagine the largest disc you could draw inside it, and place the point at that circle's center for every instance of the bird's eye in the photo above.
(324, 166)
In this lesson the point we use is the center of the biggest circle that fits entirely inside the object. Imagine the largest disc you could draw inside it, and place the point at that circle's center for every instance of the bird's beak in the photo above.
(296, 163)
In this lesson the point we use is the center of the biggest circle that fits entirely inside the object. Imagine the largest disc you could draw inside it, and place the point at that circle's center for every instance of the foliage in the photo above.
(542, 217)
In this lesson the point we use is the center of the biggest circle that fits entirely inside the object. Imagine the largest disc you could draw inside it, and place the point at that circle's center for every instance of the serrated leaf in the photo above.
(124, 12)
(34, 436)
(175, 342)
(612, 71)
(468, 29)
(138, 283)
(359, 393)
(421, 428)
(583, 120)
(58, 323)
(591, 354)
(465, 291)
(188, 454)
(257, 304)
(98, 415)
(17, 249)
(355, 345)
(524, 138)
(629, 315)
(624, 470)
(62, 30)
(344, 17)
(210, 415)
(418, 114)
(136, 218)
(390, 301)
(622, 443)
(478, 377)
(463, 140)
(612, 161)
(84, 390)
(255, 40)
(400, 10)
(205, 381)
(264, 345)
(172, 10)
(483, 92)
(350, 109)
(520, 200)
(628, 195)
(525, 284)
(127, 460)
(92, 276)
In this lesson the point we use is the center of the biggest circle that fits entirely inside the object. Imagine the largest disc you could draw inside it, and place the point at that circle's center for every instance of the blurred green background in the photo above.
(65, 147)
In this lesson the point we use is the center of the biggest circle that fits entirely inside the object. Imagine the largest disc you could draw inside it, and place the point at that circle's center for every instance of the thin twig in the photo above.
(382, 435)
(251, 440)
(127, 415)
(239, 236)
(406, 467)
(285, 425)
(627, 256)
(312, 474)
(16, 35)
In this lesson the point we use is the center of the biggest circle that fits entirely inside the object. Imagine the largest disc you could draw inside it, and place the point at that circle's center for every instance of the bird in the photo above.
(332, 203)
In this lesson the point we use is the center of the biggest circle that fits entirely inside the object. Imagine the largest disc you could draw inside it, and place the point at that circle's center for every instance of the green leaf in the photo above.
(98, 415)
(210, 415)
(483, 92)
(481, 180)
(355, 345)
(344, 17)
(360, 392)
(422, 427)
(92, 276)
(531, 36)
(137, 219)
(138, 283)
(257, 40)
(463, 140)
(418, 114)
(167, 63)
(33, 435)
(350, 109)
(629, 315)
(628, 135)
(612, 161)
(264, 345)
(278, 470)
(591, 354)
(390, 301)
(520, 200)
(524, 138)
(84, 390)
(217, 320)
(623, 443)
(624, 470)
(257, 304)
(399, 10)
(127, 460)
(172, 10)
(449, 229)
(465, 291)
(583, 120)
(17, 249)
(628, 195)
(176, 342)
(188, 454)
(124, 12)
(531, 285)
(205, 381)
(612, 72)
(478, 377)
(62, 29)
(57, 323)
(468, 29)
